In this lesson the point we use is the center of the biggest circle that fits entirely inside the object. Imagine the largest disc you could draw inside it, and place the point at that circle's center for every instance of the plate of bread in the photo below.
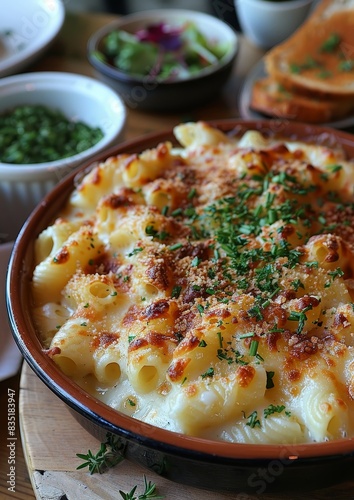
(310, 76)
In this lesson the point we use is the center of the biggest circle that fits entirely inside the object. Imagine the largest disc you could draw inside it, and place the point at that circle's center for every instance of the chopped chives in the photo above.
(253, 348)
(176, 246)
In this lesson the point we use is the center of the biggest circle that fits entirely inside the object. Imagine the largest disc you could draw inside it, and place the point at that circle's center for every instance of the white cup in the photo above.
(268, 22)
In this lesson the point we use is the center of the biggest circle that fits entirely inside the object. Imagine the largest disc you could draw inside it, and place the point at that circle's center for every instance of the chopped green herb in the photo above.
(313, 263)
(176, 246)
(135, 251)
(148, 493)
(176, 291)
(253, 347)
(246, 335)
(37, 134)
(273, 409)
(200, 309)
(334, 168)
(192, 193)
(337, 273)
(177, 212)
(208, 373)
(253, 420)
(331, 43)
(299, 316)
(219, 334)
(110, 454)
(347, 65)
(270, 383)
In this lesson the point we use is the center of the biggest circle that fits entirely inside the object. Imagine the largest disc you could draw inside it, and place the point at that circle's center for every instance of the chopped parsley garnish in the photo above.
(176, 291)
(231, 355)
(297, 284)
(273, 409)
(135, 251)
(337, 273)
(270, 383)
(200, 308)
(208, 373)
(256, 312)
(331, 43)
(346, 66)
(253, 420)
(195, 262)
(151, 231)
(300, 317)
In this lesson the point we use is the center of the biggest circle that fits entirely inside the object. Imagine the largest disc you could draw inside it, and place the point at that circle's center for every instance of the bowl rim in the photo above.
(18, 61)
(96, 411)
(62, 79)
(114, 72)
(279, 6)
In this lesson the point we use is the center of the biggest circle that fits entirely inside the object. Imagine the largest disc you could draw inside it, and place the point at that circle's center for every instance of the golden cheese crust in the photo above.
(209, 289)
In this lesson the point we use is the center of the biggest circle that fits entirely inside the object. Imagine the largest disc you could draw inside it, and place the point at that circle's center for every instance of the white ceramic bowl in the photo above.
(147, 92)
(27, 29)
(80, 98)
(267, 23)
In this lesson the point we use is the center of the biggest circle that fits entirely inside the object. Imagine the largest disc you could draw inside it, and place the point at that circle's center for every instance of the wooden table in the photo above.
(51, 438)
(69, 54)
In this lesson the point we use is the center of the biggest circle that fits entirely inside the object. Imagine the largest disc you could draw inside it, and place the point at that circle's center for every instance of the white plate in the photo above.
(10, 356)
(258, 71)
(27, 27)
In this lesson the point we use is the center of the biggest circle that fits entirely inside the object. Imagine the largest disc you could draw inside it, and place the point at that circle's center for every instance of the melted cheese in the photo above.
(208, 289)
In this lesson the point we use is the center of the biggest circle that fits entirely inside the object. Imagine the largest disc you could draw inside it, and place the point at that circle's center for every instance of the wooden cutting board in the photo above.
(51, 437)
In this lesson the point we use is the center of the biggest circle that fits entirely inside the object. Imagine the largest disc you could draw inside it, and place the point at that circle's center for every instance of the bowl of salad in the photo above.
(165, 59)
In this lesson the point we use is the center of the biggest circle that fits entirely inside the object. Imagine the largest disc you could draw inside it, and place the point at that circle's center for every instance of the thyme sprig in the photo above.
(149, 492)
(110, 454)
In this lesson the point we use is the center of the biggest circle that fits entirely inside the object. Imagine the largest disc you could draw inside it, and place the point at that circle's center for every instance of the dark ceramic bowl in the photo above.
(193, 461)
(146, 93)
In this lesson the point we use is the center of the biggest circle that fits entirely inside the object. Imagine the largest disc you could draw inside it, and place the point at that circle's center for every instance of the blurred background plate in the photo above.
(10, 356)
(27, 27)
(258, 71)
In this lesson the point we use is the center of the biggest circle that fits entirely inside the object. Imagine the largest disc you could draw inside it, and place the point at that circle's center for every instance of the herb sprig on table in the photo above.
(149, 492)
(110, 454)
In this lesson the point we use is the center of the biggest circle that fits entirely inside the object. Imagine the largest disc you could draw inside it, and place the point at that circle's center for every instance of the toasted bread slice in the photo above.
(273, 99)
(319, 57)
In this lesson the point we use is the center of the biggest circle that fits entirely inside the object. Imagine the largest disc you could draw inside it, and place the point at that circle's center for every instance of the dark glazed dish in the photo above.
(198, 462)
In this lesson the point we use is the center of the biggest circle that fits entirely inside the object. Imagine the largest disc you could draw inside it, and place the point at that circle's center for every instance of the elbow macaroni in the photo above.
(209, 289)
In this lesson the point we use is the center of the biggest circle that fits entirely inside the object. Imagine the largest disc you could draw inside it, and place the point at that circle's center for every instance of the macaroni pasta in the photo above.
(208, 289)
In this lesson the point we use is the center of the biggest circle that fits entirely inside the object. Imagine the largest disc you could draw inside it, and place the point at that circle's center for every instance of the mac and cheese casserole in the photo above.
(208, 289)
